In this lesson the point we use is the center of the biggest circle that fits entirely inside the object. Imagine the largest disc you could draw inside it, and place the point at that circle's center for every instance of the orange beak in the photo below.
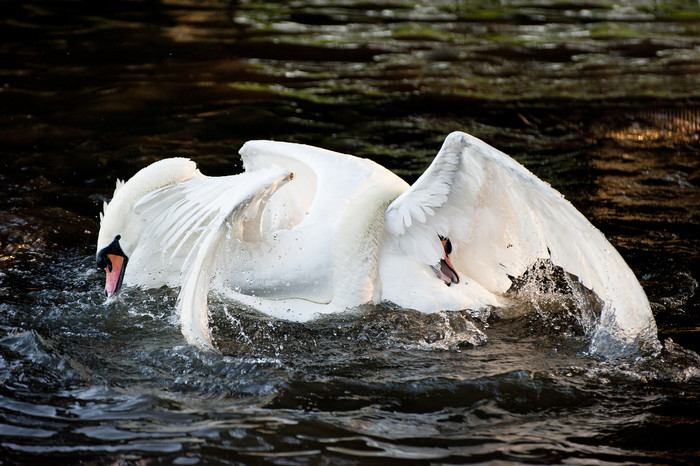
(115, 268)
(446, 272)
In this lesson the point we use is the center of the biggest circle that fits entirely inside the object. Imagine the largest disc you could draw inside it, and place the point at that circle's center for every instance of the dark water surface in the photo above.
(602, 101)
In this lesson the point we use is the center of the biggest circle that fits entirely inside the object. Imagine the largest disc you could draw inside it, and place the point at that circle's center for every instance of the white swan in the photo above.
(305, 231)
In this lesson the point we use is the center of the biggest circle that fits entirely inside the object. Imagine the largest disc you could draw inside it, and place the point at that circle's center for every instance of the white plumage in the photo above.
(304, 231)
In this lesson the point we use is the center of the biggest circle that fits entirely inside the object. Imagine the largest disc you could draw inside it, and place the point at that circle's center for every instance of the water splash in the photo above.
(244, 331)
(560, 302)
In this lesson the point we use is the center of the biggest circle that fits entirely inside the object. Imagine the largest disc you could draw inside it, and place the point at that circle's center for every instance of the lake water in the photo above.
(600, 101)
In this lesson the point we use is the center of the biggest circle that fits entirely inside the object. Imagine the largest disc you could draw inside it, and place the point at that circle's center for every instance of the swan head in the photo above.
(113, 260)
(121, 225)
(444, 270)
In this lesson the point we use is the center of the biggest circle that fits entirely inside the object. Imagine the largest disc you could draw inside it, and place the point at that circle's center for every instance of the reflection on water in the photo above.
(601, 101)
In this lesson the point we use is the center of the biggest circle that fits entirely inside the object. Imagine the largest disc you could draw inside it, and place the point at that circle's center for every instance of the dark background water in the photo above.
(601, 100)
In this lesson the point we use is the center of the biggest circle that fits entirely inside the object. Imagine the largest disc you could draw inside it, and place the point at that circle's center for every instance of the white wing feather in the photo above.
(229, 215)
(185, 226)
(501, 219)
(324, 181)
(173, 217)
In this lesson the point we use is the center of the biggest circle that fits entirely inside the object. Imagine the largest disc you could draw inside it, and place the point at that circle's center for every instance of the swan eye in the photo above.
(114, 248)
(448, 246)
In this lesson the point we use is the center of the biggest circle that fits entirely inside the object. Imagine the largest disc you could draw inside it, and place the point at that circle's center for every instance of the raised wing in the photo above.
(325, 181)
(172, 219)
(228, 218)
(342, 199)
(501, 219)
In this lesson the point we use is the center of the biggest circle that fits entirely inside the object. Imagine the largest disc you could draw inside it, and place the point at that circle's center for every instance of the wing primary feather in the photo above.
(427, 194)
(204, 258)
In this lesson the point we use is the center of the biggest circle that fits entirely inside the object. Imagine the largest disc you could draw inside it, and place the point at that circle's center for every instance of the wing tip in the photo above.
(248, 147)
(458, 138)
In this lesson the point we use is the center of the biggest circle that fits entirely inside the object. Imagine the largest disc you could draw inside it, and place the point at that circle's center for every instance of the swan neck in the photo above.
(356, 248)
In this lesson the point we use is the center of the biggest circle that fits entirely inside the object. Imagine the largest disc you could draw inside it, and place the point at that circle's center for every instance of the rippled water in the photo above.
(601, 101)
